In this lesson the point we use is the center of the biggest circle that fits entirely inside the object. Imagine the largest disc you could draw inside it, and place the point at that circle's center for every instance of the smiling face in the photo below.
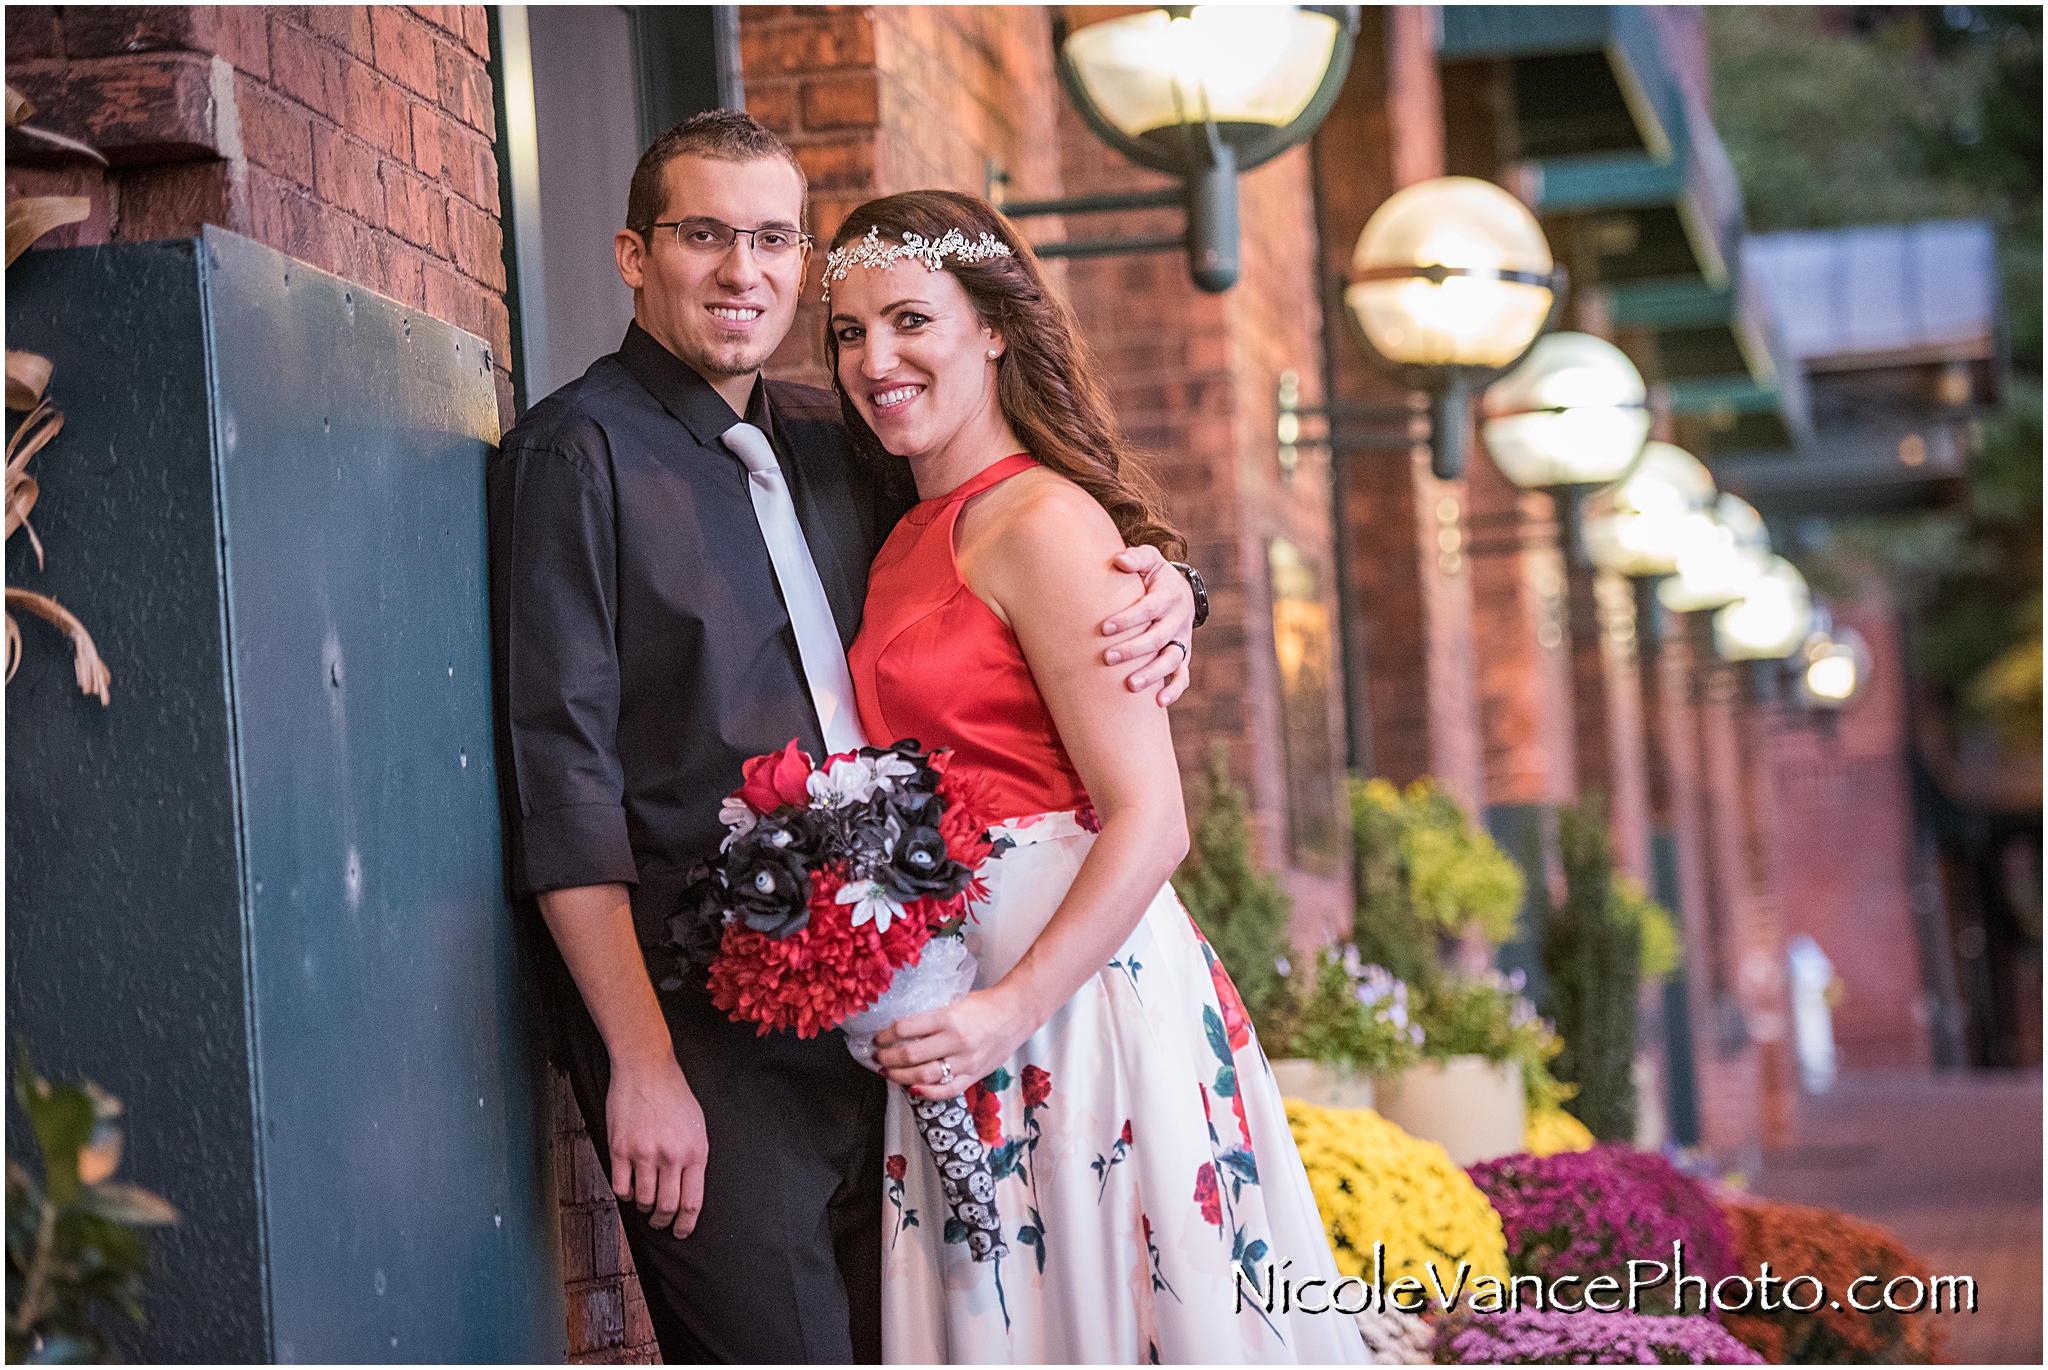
(723, 313)
(915, 360)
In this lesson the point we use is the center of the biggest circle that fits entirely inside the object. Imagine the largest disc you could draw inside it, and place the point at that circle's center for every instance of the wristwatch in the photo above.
(1194, 578)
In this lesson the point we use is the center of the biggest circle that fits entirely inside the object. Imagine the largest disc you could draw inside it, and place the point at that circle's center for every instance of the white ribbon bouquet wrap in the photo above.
(942, 975)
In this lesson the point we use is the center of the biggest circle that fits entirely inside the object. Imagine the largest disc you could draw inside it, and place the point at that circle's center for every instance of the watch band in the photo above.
(1194, 579)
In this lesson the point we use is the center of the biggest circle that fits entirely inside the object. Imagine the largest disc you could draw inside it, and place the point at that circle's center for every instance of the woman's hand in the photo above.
(972, 1035)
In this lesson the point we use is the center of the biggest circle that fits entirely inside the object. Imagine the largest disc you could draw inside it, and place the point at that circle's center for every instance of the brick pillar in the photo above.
(1742, 974)
(607, 1313)
(1766, 984)
(356, 138)
(1607, 701)
(1410, 571)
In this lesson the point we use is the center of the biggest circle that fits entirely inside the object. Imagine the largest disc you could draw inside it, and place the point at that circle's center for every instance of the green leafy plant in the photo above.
(1241, 909)
(73, 1238)
(1599, 945)
(1423, 873)
(1488, 1016)
(1353, 1016)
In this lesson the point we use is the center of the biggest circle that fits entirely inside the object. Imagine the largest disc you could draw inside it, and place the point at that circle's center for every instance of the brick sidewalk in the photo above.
(1951, 1164)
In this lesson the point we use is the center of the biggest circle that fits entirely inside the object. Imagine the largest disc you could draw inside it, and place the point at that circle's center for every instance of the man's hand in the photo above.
(1156, 631)
(657, 1143)
(654, 1123)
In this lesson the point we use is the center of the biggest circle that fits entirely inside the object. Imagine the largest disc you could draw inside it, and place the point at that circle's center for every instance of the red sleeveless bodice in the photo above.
(935, 663)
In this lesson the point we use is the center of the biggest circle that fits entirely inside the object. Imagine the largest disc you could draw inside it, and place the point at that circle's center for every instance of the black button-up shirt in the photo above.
(640, 644)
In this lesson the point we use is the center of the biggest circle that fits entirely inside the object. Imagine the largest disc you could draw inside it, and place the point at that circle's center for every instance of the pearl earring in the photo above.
(993, 355)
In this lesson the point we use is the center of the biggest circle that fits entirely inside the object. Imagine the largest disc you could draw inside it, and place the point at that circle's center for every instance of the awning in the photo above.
(1618, 143)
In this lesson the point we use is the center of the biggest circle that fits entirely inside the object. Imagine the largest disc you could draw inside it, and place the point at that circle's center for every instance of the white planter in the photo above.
(1469, 1106)
(1312, 1082)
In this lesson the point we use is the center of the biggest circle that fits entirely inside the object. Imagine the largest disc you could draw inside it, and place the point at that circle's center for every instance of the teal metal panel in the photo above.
(1608, 180)
(125, 932)
(389, 1157)
(1681, 1066)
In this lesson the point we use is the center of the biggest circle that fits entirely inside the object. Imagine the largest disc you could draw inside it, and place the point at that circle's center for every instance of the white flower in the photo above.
(888, 769)
(869, 900)
(735, 814)
(849, 780)
(1283, 965)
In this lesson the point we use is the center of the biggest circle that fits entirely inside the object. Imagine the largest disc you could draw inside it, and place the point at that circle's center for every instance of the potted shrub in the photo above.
(1348, 1025)
(1484, 1071)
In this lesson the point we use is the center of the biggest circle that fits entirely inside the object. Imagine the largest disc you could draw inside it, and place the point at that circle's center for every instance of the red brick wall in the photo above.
(357, 138)
(1845, 809)
(607, 1312)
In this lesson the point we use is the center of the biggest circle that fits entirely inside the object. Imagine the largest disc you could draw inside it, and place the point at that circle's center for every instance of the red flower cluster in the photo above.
(987, 1111)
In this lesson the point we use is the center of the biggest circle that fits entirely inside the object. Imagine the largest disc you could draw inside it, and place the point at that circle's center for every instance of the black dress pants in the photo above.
(785, 1263)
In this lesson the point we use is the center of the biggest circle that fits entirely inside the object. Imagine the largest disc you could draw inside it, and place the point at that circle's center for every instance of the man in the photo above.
(673, 587)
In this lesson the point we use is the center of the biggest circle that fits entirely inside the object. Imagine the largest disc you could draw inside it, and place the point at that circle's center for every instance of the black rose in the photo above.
(767, 886)
(797, 833)
(922, 870)
(697, 927)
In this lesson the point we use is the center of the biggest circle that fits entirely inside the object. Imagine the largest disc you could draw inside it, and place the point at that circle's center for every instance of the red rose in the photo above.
(1244, 1127)
(1207, 1197)
(776, 779)
(1037, 1086)
(895, 1166)
(987, 1111)
(1127, 1132)
(1236, 1023)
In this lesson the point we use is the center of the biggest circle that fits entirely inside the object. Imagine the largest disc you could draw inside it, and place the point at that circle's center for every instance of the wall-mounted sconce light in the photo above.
(1202, 92)
(1638, 527)
(1720, 553)
(1771, 620)
(1451, 282)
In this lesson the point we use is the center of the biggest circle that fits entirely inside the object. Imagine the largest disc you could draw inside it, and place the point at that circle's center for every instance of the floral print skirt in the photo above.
(1147, 1185)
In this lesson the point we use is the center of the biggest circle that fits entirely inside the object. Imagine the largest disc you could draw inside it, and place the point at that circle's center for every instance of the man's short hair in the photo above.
(724, 135)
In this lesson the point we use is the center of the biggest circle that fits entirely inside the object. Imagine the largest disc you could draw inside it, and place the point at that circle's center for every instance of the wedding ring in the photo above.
(1184, 653)
(945, 1072)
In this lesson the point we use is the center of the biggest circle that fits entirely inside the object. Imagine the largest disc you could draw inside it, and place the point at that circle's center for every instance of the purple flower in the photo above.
(1587, 1338)
(1589, 1213)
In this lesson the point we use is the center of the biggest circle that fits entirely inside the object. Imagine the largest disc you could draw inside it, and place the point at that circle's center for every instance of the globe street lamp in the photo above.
(1202, 92)
(1573, 414)
(1451, 281)
(1638, 527)
(1772, 619)
(1719, 554)
(1836, 666)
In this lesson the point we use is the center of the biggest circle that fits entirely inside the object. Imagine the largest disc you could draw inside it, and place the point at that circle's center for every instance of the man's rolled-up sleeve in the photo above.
(560, 590)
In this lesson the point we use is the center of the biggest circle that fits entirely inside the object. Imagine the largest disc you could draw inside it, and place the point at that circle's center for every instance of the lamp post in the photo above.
(1451, 282)
(1719, 553)
(1770, 621)
(1202, 92)
(1834, 666)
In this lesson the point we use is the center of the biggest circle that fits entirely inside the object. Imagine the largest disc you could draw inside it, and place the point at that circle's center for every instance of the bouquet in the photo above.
(837, 901)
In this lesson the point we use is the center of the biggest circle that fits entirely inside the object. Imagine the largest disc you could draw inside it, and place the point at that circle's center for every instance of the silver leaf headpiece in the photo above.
(872, 251)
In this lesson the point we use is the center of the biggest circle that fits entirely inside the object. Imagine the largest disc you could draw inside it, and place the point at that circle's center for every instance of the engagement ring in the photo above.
(945, 1072)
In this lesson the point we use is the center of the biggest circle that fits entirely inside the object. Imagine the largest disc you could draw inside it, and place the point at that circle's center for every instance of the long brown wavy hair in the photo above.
(1045, 378)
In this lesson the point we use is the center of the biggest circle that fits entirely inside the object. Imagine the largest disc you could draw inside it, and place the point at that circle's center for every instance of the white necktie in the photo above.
(803, 594)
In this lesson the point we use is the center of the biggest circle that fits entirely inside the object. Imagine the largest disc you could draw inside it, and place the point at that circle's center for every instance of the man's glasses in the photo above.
(710, 238)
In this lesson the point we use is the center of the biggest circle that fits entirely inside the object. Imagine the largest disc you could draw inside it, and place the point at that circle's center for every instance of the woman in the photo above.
(1145, 1171)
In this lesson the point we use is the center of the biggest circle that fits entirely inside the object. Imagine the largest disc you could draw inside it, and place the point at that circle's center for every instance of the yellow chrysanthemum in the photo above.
(1375, 1183)
(1551, 1131)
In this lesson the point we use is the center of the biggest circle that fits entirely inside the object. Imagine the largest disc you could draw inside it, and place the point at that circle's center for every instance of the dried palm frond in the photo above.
(93, 676)
(28, 375)
(43, 423)
(30, 217)
(18, 111)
